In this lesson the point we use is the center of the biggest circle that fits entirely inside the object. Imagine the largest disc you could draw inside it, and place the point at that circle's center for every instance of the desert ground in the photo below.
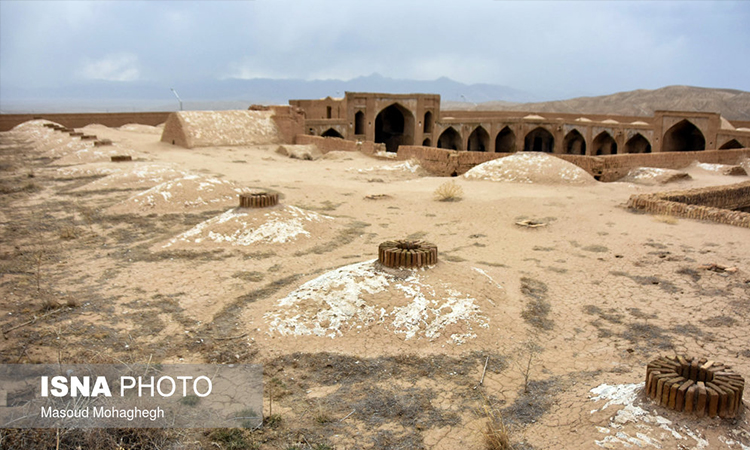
(151, 260)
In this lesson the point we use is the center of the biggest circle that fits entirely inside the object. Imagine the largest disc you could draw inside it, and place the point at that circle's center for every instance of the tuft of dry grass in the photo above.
(449, 192)
(496, 435)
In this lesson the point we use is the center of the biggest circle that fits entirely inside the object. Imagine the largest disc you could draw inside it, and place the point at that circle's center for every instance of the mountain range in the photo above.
(108, 96)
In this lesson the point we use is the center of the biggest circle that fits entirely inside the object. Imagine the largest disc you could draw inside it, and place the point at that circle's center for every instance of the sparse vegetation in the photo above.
(449, 192)
(538, 308)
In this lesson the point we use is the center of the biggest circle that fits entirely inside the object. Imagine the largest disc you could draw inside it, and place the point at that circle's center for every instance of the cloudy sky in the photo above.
(547, 47)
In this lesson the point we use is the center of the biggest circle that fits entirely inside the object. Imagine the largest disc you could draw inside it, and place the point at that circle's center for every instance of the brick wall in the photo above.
(712, 203)
(605, 168)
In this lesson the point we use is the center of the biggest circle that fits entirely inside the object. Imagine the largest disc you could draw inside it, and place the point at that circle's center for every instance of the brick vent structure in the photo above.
(698, 386)
(102, 142)
(258, 200)
(711, 203)
(405, 253)
(121, 158)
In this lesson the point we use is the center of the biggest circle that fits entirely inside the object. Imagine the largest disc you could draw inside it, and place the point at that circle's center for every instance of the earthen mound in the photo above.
(90, 154)
(723, 169)
(142, 129)
(258, 227)
(530, 168)
(651, 176)
(136, 175)
(367, 297)
(185, 194)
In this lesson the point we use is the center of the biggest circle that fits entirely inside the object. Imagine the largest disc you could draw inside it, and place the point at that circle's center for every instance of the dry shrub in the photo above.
(68, 232)
(669, 220)
(449, 192)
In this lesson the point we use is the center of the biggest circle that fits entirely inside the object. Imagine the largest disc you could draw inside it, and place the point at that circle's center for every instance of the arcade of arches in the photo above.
(416, 119)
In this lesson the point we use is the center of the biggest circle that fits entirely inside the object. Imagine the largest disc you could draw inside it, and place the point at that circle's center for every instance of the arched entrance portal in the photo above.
(637, 144)
(505, 142)
(450, 139)
(683, 137)
(604, 144)
(332, 133)
(734, 143)
(574, 143)
(479, 140)
(427, 143)
(394, 126)
(539, 140)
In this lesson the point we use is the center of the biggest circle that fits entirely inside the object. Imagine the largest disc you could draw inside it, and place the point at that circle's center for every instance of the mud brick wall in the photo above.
(712, 203)
(290, 122)
(605, 168)
(8, 121)
(328, 144)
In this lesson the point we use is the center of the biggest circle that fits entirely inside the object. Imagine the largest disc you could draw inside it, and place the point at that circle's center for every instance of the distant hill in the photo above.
(732, 104)
(231, 93)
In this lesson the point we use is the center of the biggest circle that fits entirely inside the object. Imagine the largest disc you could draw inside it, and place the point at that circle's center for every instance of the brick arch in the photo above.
(730, 144)
(683, 136)
(450, 139)
(332, 133)
(604, 144)
(574, 143)
(539, 139)
(505, 141)
(638, 144)
(479, 140)
(394, 126)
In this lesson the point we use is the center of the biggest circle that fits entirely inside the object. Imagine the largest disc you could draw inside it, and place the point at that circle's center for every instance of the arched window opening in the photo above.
(428, 122)
(359, 123)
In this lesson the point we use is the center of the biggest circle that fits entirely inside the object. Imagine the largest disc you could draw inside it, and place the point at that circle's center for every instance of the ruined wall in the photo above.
(290, 120)
(326, 144)
(446, 162)
(712, 203)
(8, 121)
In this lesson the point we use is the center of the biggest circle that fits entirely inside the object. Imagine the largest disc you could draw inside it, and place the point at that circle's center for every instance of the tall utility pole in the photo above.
(178, 97)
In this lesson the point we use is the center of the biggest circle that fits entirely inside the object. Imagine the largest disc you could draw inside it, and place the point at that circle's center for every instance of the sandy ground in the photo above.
(356, 356)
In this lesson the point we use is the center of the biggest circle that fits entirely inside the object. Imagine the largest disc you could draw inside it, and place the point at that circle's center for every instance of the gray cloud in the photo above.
(563, 48)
